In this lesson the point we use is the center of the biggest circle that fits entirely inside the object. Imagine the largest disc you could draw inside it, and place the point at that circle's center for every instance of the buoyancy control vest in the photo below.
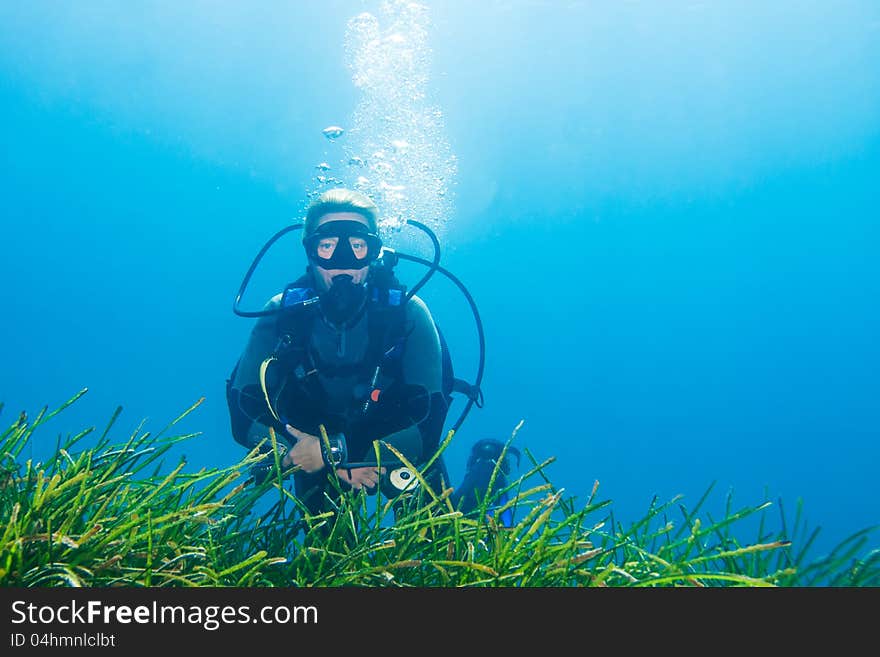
(295, 379)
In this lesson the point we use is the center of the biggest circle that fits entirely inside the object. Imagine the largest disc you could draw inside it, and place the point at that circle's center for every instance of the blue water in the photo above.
(667, 216)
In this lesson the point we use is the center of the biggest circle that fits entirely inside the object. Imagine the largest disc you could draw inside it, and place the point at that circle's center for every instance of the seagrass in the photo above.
(109, 511)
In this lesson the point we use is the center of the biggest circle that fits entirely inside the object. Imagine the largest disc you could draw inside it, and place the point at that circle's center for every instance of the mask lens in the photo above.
(343, 245)
(359, 247)
(325, 247)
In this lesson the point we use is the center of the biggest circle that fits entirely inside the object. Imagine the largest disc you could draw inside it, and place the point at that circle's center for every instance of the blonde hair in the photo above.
(341, 200)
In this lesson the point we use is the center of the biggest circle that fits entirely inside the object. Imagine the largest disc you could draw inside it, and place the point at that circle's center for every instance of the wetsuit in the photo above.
(333, 385)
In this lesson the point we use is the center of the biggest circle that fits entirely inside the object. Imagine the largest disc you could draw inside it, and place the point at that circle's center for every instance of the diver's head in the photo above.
(341, 236)
(489, 450)
(341, 240)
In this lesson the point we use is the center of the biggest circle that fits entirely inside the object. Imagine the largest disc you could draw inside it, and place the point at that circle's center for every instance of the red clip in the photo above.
(375, 394)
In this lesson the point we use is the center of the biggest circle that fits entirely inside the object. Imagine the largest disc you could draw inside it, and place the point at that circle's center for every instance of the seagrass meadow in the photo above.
(109, 511)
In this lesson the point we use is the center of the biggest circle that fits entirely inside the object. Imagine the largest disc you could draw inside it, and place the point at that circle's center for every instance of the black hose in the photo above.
(432, 265)
(250, 271)
(480, 334)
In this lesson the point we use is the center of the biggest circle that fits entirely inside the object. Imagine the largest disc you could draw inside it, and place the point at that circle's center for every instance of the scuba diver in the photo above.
(488, 459)
(346, 356)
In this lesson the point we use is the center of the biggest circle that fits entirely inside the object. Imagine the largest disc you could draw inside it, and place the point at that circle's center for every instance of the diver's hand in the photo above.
(306, 453)
(359, 478)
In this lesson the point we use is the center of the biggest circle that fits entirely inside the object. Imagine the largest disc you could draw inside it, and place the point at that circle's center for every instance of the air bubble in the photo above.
(333, 132)
(395, 133)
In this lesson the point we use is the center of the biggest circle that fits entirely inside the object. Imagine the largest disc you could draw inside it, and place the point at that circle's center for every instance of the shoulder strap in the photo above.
(386, 318)
(293, 323)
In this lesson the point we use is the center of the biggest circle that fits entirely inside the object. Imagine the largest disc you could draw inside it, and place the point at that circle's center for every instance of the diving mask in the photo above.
(342, 245)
